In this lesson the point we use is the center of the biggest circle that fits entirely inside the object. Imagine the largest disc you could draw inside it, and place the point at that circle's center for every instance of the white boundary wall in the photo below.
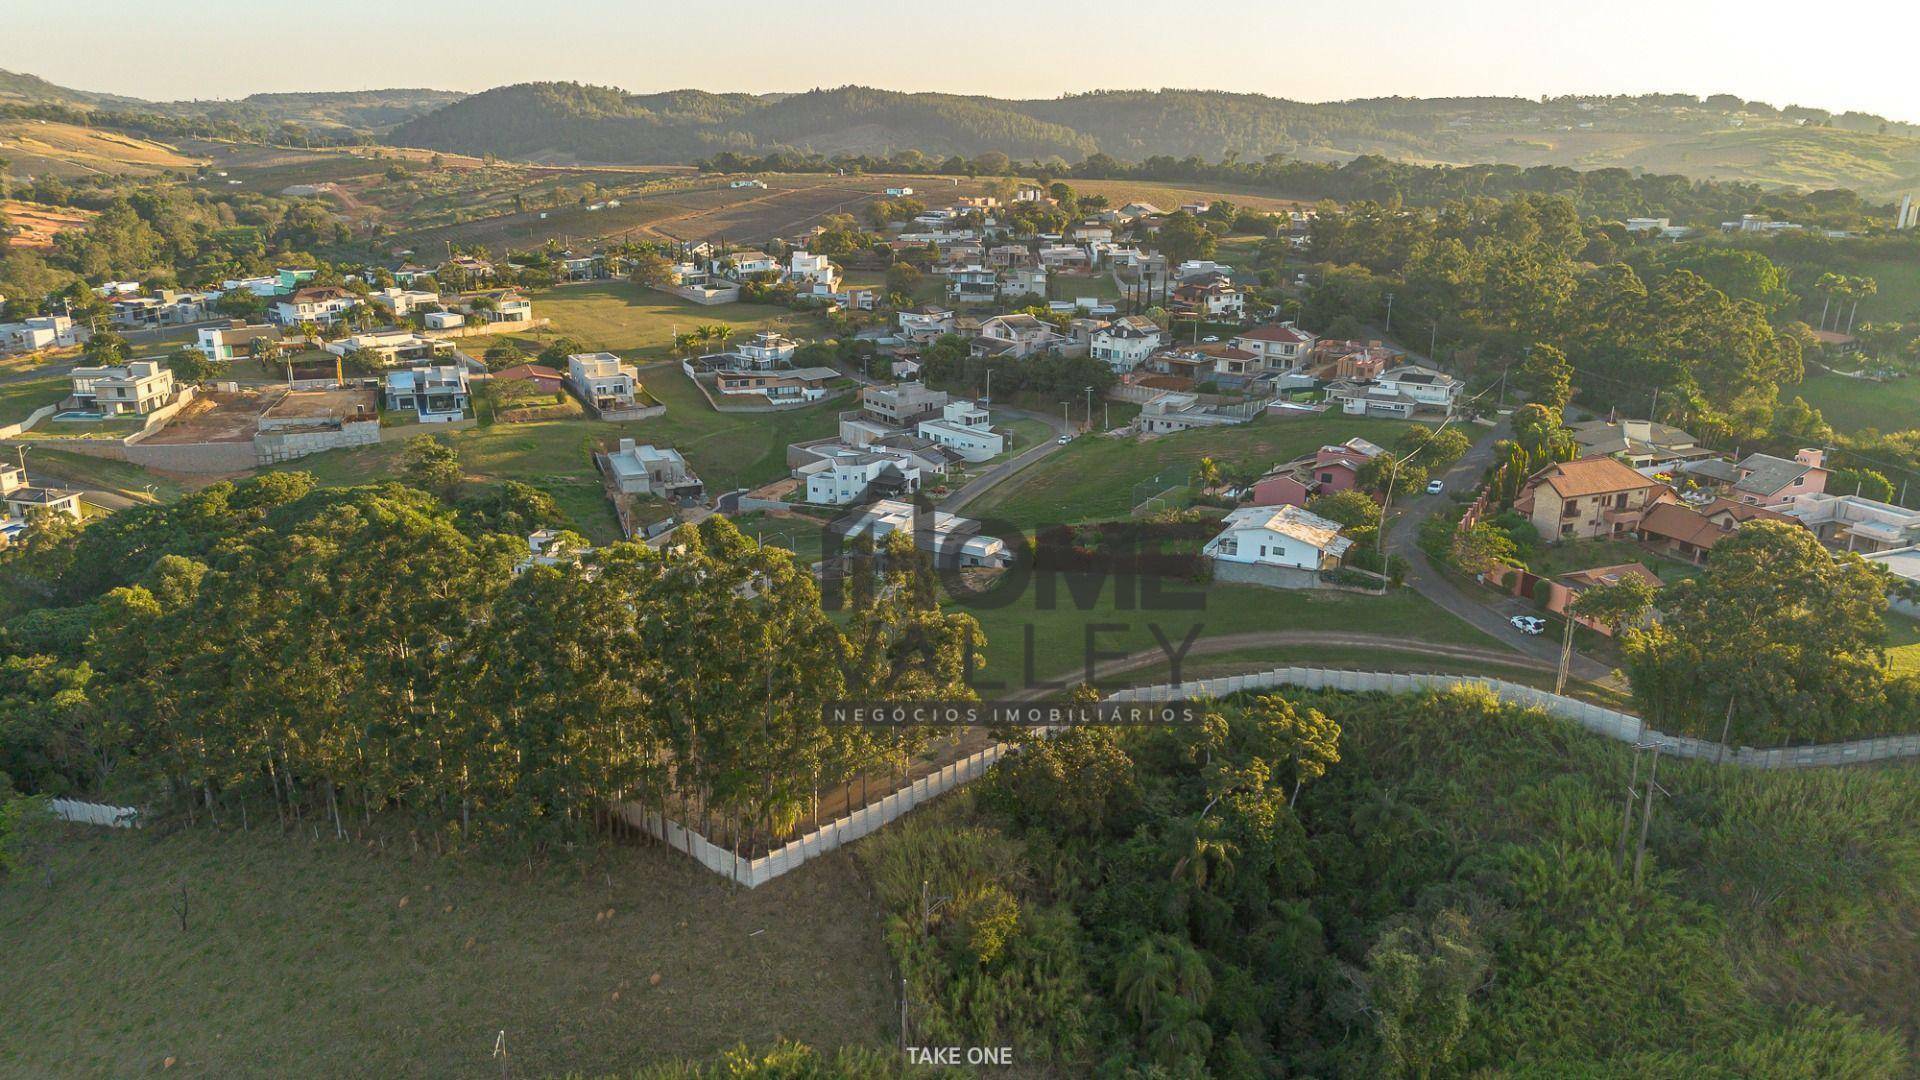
(92, 813)
(1624, 727)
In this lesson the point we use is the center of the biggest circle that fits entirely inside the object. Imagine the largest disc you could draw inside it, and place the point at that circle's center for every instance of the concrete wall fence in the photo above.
(14, 430)
(830, 837)
(93, 813)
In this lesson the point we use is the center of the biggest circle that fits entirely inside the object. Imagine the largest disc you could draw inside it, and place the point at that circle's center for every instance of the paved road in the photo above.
(983, 483)
(1427, 580)
(1279, 638)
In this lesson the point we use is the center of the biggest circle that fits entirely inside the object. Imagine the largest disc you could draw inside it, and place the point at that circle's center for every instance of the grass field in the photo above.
(84, 470)
(639, 323)
(19, 399)
(1853, 404)
(1041, 630)
(305, 958)
(1096, 479)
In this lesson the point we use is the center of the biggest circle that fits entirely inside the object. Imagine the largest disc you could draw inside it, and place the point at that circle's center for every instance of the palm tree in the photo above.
(1208, 859)
(721, 335)
(1828, 284)
(1864, 286)
(1145, 981)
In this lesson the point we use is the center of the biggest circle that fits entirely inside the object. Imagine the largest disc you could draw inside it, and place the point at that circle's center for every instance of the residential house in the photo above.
(323, 306)
(499, 307)
(1353, 361)
(1278, 536)
(741, 264)
(964, 428)
(26, 501)
(1207, 362)
(136, 388)
(233, 341)
(404, 302)
(1587, 498)
(1195, 269)
(1278, 346)
(766, 349)
(973, 285)
(1853, 523)
(1766, 480)
(1690, 532)
(468, 266)
(902, 404)
(1011, 257)
(780, 387)
(169, 308)
(951, 540)
(842, 477)
(1067, 258)
(1561, 592)
(1217, 301)
(658, 471)
(926, 322)
(1023, 282)
(444, 320)
(1641, 444)
(603, 380)
(1430, 388)
(547, 379)
(1172, 411)
(39, 332)
(435, 393)
(813, 275)
(1015, 337)
(1329, 469)
(393, 347)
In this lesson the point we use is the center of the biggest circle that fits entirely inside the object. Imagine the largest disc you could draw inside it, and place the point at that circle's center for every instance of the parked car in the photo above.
(1435, 487)
(1211, 339)
(1528, 624)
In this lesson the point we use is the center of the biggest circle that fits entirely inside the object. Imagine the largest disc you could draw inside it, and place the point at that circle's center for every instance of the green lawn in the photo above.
(1073, 287)
(1558, 559)
(19, 399)
(312, 957)
(84, 470)
(1852, 404)
(1099, 479)
(1042, 632)
(619, 316)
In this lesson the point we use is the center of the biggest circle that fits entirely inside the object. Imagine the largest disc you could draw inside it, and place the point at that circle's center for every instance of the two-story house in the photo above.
(603, 380)
(1015, 336)
(1126, 342)
(1279, 346)
(435, 394)
(1587, 498)
(135, 389)
(321, 305)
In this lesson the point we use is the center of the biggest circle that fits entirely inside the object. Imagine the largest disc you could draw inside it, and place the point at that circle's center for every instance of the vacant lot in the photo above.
(305, 958)
(619, 316)
(1852, 404)
(1100, 479)
(19, 399)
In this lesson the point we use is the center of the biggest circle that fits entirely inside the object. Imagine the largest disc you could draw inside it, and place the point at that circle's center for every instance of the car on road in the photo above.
(1435, 487)
(1211, 339)
(1064, 439)
(1528, 624)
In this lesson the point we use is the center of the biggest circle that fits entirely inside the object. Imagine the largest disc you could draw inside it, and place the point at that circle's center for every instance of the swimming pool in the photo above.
(79, 414)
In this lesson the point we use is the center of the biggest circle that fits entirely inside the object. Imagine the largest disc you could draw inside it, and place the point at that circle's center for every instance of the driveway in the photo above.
(1428, 580)
(983, 483)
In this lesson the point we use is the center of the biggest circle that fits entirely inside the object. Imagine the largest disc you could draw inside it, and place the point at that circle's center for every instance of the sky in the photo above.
(1842, 54)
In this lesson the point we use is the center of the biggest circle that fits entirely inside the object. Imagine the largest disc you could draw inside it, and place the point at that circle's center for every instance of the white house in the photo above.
(843, 477)
(1279, 536)
(137, 388)
(436, 394)
(392, 346)
(813, 275)
(1015, 336)
(926, 322)
(1423, 384)
(403, 302)
(747, 262)
(950, 539)
(231, 342)
(39, 332)
(445, 320)
(602, 379)
(964, 428)
(1125, 343)
(768, 348)
(323, 305)
(898, 192)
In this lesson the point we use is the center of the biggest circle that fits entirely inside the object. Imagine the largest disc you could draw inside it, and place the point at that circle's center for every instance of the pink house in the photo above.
(1765, 480)
(1330, 469)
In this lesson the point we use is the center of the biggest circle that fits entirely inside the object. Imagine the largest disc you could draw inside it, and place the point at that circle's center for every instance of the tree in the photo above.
(1351, 509)
(192, 366)
(1206, 476)
(1182, 237)
(652, 270)
(431, 463)
(104, 348)
(1776, 639)
(1306, 741)
(1616, 605)
(1546, 377)
(1419, 980)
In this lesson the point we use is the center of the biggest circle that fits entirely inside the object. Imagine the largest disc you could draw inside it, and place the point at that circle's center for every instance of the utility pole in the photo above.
(1726, 727)
(1089, 406)
(1626, 818)
(1389, 314)
(1064, 418)
(1566, 656)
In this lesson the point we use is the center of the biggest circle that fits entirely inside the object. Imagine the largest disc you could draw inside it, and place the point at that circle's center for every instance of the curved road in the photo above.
(981, 484)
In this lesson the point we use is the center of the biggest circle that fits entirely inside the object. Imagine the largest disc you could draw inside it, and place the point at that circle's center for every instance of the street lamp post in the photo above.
(1389, 313)
(1089, 407)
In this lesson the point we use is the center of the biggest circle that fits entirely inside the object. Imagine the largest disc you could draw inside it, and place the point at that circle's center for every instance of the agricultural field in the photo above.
(41, 147)
(36, 224)
(1171, 197)
(1102, 479)
(300, 953)
(1851, 404)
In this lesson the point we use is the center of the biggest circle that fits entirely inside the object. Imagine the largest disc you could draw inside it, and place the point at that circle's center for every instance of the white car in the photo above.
(1064, 440)
(1211, 339)
(1528, 624)
(1435, 487)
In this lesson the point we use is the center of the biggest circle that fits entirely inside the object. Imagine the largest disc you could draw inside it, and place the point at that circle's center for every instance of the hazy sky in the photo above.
(1837, 55)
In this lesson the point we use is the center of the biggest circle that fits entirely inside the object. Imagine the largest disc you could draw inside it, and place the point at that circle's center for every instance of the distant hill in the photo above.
(1715, 138)
(366, 111)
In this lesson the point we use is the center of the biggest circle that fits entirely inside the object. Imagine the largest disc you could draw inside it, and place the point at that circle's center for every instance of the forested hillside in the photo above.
(1719, 138)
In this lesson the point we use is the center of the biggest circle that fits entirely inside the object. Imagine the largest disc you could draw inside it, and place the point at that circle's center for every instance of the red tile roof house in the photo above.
(545, 378)
(1590, 497)
(1673, 528)
(1556, 595)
